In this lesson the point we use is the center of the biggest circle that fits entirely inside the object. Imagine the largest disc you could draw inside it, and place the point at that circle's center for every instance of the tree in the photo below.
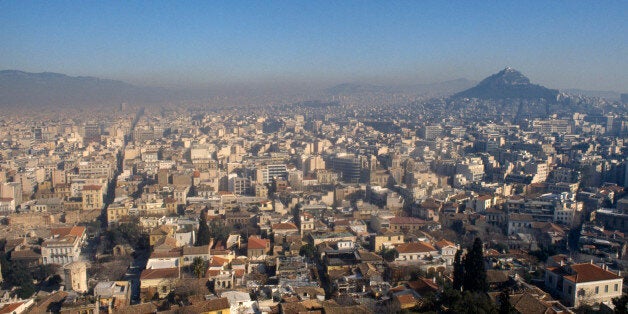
(504, 303)
(474, 271)
(198, 267)
(389, 254)
(307, 250)
(19, 276)
(621, 304)
(203, 236)
(465, 302)
(218, 230)
(458, 270)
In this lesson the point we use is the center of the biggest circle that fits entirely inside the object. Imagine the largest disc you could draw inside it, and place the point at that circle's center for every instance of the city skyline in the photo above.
(559, 45)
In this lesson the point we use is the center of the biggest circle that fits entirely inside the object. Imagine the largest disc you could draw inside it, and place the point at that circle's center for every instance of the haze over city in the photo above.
(563, 44)
(287, 157)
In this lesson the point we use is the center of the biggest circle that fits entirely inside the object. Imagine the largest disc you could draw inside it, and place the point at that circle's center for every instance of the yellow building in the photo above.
(115, 212)
(92, 197)
(160, 233)
(387, 240)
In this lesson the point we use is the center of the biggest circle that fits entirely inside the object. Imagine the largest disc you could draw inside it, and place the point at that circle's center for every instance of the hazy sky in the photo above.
(556, 43)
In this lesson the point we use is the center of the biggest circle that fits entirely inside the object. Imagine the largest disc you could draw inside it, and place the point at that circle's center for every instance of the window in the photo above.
(616, 287)
(606, 288)
(597, 290)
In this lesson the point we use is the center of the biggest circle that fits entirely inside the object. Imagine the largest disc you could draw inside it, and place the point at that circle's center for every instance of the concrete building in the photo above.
(75, 277)
(579, 284)
(92, 197)
(64, 246)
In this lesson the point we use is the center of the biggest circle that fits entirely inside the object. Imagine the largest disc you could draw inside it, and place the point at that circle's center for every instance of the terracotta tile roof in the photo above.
(159, 273)
(25, 255)
(9, 308)
(367, 256)
(532, 303)
(77, 231)
(212, 272)
(138, 309)
(166, 254)
(91, 188)
(583, 273)
(42, 306)
(444, 243)
(415, 247)
(196, 250)
(239, 272)
(423, 285)
(61, 232)
(218, 261)
(258, 243)
(207, 306)
(406, 299)
(166, 242)
(284, 226)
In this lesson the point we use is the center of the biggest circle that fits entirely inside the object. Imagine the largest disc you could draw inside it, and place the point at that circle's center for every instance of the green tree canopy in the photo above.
(199, 266)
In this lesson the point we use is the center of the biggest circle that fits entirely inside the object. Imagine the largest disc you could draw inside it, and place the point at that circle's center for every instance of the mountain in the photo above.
(19, 88)
(508, 83)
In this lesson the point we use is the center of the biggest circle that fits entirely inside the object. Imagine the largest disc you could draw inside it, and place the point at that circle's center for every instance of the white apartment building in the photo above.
(64, 245)
(586, 283)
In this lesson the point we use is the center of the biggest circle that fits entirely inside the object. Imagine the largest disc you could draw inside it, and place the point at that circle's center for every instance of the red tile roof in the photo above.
(9, 308)
(415, 247)
(443, 243)
(91, 188)
(584, 273)
(77, 231)
(159, 273)
(405, 299)
(258, 243)
(285, 226)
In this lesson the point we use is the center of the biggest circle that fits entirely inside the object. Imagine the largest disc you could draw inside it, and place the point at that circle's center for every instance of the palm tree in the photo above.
(198, 267)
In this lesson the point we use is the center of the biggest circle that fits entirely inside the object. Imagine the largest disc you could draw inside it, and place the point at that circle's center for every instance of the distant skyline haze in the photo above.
(196, 44)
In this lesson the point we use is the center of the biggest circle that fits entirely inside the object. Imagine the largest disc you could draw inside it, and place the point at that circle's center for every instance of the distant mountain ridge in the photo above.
(18, 88)
(508, 83)
(611, 95)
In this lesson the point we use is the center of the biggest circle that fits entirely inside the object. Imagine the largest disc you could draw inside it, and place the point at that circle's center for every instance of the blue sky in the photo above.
(582, 44)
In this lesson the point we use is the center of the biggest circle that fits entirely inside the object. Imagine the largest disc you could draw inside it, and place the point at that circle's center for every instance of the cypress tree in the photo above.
(202, 238)
(458, 270)
(474, 272)
(504, 303)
